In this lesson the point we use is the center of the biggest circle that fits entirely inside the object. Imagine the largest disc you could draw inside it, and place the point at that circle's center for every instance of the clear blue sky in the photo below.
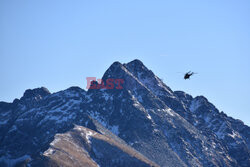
(57, 44)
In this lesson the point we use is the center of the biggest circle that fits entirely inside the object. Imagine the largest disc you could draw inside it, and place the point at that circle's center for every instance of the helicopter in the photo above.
(188, 75)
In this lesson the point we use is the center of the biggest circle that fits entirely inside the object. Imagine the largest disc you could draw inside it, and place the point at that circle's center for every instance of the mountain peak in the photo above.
(115, 65)
(114, 70)
(136, 65)
(75, 89)
(136, 62)
(142, 122)
(35, 93)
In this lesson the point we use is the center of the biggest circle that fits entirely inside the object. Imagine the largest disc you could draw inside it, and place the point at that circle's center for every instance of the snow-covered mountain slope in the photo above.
(232, 133)
(143, 124)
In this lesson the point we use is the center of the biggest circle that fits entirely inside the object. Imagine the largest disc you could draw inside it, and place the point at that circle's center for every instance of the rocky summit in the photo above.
(143, 124)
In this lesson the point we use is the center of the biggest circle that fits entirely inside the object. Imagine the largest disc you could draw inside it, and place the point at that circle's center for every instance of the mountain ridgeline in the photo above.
(143, 124)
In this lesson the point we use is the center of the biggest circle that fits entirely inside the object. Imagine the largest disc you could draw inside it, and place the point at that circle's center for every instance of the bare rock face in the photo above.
(143, 124)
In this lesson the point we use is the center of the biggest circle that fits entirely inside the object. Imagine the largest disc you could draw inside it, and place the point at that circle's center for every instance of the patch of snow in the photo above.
(55, 141)
(149, 117)
(169, 111)
(229, 158)
(88, 134)
(235, 135)
(78, 128)
(136, 103)
(48, 152)
(213, 144)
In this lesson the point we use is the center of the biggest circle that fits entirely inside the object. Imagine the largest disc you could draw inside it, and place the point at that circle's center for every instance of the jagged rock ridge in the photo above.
(143, 124)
